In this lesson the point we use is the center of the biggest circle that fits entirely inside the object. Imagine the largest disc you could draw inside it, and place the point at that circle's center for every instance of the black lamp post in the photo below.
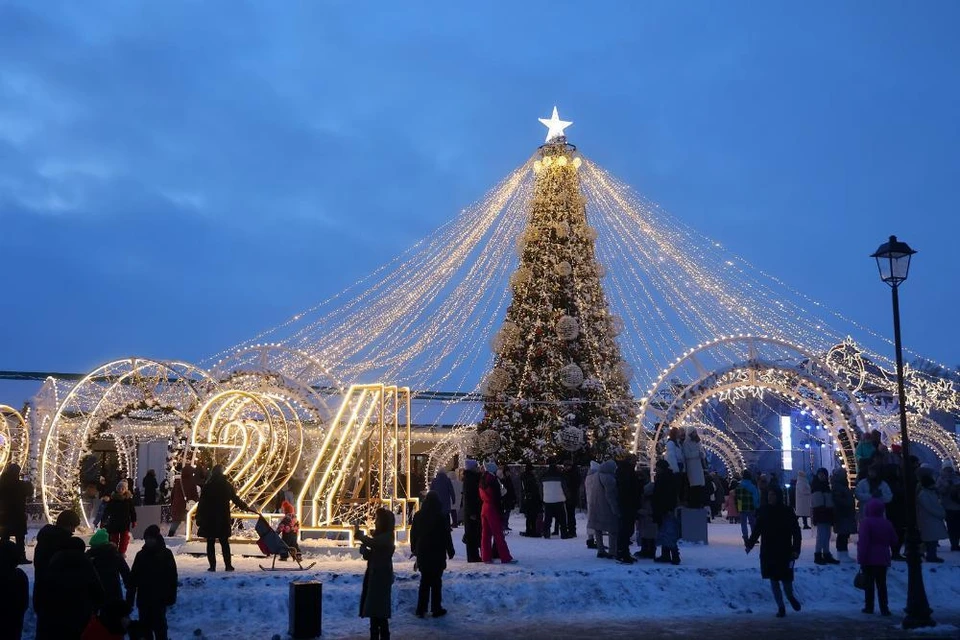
(893, 260)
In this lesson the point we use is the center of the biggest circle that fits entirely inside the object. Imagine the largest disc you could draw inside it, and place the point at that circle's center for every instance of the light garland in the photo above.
(14, 438)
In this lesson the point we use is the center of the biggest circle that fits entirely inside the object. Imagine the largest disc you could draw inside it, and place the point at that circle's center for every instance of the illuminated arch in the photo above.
(925, 431)
(721, 445)
(456, 443)
(306, 382)
(138, 397)
(736, 365)
(14, 438)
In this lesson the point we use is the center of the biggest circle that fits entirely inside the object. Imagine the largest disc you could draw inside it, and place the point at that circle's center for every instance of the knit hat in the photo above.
(470, 465)
(287, 508)
(99, 537)
(153, 531)
(491, 467)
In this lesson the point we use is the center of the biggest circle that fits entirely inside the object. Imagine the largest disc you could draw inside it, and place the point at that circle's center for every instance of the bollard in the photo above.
(306, 608)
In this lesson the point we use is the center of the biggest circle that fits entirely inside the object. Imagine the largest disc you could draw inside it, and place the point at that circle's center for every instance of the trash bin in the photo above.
(306, 608)
(693, 525)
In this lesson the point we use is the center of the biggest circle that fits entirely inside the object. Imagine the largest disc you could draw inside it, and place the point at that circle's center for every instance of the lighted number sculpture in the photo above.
(257, 437)
(356, 468)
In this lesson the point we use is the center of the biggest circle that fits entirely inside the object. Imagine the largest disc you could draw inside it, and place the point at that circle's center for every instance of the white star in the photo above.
(554, 125)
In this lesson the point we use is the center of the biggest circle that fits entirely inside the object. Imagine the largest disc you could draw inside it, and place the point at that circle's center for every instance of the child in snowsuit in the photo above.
(289, 530)
(377, 592)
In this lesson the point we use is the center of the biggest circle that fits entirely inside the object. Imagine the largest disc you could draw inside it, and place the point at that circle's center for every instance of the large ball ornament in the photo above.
(577, 162)
(601, 271)
(562, 161)
(570, 438)
(616, 325)
(562, 229)
(489, 441)
(521, 277)
(571, 376)
(590, 233)
(497, 381)
(564, 269)
(568, 328)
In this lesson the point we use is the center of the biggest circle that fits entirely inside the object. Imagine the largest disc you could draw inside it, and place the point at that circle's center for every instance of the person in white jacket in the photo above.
(693, 460)
(674, 453)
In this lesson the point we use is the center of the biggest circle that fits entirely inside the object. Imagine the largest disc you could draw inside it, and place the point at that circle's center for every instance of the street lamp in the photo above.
(893, 261)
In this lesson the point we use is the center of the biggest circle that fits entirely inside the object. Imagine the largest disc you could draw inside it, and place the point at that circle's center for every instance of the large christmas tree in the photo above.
(558, 376)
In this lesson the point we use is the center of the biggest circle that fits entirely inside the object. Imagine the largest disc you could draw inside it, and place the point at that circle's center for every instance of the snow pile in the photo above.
(554, 580)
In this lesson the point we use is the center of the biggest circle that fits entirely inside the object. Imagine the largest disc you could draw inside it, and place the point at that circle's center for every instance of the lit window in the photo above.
(786, 442)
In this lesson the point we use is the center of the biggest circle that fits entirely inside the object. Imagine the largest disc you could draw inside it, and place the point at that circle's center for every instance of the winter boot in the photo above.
(664, 557)
(818, 558)
(591, 543)
(829, 559)
(675, 556)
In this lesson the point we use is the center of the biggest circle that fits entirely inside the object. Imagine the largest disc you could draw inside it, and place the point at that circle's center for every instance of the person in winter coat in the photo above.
(693, 461)
(457, 482)
(779, 534)
(153, 583)
(802, 505)
(554, 501)
(431, 543)
(150, 486)
(491, 527)
(472, 508)
(110, 566)
(674, 452)
(730, 505)
(120, 516)
(664, 513)
(872, 487)
(51, 539)
(289, 530)
(444, 488)
(763, 487)
(508, 497)
(844, 511)
(748, 501)
(930, 515)
(646, 528)
(628, 500)
(864, 453)
(14, 493)
(571, 480)
(874, 541)
(178, 506)
(603, 513)
(531, 504)
(594, 537)
(69, 595)
(821, 501)
(376, 595)
(213, 516)
(14, 592)
(948, 487)
(191, 485)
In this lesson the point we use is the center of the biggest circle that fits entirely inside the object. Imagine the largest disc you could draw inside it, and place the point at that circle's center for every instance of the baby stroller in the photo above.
(271, 544)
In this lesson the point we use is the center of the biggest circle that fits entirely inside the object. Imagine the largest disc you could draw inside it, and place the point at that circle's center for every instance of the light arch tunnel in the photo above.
(739, 363)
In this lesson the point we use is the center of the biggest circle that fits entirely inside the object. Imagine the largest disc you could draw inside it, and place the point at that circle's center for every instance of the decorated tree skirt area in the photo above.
(555, 581)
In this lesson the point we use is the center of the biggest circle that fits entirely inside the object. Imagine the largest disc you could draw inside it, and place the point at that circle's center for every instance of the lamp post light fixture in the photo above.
(893, 261)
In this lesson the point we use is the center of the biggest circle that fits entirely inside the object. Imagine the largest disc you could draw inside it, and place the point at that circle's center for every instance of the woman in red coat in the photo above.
(178, 507)
(491, 526)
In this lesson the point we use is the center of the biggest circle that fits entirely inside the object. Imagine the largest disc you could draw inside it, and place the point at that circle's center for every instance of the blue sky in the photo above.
(175, 177)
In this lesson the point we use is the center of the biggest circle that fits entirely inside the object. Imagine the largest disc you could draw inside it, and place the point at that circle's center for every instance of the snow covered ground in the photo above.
(554, 581)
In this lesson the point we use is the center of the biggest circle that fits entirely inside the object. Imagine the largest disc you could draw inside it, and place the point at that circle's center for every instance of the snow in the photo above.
(554, 580)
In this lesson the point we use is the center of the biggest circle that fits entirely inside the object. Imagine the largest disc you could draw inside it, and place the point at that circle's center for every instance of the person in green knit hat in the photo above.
(110, 565)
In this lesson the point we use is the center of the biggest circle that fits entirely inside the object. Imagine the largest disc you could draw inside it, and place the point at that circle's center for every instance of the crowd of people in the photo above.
(77, 587)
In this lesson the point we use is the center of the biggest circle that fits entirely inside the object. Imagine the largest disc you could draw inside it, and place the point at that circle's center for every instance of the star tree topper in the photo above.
(554, 125)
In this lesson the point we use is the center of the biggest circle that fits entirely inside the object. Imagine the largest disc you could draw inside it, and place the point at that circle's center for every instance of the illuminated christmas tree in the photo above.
(558, 376)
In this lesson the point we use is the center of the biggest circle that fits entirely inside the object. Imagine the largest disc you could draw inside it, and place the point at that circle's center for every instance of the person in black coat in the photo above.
(69, 595)
(120, 516)
(51, 539)
(530, 502)
(432, 544)
(664, 506)
(508, 499)
(14, 493)
(112, 569)
(213, 516)
(628, 495)
(150, 486)
(471, 510)
(14, 592)
(780, 538)
(153, 583)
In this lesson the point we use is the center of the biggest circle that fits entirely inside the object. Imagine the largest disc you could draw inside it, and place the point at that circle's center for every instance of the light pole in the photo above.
(893, 261)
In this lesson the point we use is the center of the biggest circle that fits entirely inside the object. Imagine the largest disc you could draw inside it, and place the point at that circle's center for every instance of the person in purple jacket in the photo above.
(876, 537)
